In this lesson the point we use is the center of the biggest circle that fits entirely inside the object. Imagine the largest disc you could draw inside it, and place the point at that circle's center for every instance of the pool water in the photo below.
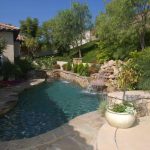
(45, 107)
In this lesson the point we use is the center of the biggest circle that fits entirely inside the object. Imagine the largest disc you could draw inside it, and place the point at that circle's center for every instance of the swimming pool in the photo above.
(45, 107)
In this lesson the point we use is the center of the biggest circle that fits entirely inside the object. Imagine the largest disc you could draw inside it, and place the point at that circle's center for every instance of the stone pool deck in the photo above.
(78, 134)
(9, 95)
(135, 138)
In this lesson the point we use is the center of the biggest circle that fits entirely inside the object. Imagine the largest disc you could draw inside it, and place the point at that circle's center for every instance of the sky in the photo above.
(12, 11)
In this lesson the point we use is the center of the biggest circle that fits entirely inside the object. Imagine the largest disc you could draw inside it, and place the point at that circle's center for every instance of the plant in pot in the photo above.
(123, 114)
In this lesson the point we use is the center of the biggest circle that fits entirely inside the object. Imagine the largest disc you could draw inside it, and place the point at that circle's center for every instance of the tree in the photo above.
(55, 33)
(29, 27)
(30, 30)
(81, 23)
(32, 45)
(46, 36)
(141, 18)
(124, 24)
(67, 28)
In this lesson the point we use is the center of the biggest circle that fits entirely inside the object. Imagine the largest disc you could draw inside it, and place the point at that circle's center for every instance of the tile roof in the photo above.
(8, 27)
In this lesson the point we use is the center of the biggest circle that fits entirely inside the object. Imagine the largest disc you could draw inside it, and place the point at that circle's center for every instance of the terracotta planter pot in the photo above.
(120, 120)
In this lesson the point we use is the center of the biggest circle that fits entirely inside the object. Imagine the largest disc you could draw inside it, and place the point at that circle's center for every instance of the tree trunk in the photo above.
(80, 53)
(142, 40)
(124, 94)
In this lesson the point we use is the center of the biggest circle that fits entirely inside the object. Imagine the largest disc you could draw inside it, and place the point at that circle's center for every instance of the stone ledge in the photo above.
(9, 95)
(137, 94)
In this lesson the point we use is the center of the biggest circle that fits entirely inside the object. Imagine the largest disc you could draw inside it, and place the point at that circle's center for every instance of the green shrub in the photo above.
(10, 70)
(80, 68)
(69, 66)
(3, 45)
(128, 76)
(124, 107)
(45, 62)
(142, 61)
(65, 67)
(85, 71)
(119, 108)
(24, 64)
(103, 56)
(74, 68)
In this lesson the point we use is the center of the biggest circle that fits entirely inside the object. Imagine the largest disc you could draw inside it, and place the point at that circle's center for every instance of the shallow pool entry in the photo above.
(45, 107)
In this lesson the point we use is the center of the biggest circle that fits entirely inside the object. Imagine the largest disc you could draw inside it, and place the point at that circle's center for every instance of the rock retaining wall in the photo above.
(73, 77)
(141, 99)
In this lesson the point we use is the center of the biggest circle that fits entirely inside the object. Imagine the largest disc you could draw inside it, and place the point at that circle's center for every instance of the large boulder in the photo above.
(109, 72)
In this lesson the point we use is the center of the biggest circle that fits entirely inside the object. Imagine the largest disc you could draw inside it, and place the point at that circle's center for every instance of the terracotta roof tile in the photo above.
(8, 27)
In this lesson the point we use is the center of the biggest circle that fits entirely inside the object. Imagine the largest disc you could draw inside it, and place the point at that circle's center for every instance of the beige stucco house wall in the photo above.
(8, 53)
(10, 33)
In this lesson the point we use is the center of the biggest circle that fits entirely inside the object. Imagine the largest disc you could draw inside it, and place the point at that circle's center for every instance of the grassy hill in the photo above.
(88, 50)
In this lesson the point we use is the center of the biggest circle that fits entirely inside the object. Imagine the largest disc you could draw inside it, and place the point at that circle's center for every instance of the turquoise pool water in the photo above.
(45, 107)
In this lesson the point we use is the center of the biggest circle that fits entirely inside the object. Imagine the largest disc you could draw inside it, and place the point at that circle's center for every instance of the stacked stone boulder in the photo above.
(109, 72)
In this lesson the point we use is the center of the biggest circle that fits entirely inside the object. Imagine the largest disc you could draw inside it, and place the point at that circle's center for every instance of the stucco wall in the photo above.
(8, 53)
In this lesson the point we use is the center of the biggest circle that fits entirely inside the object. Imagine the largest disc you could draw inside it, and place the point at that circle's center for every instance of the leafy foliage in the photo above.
(45, 62)
(29, 28)
(142, 60)
(3, 45)
(119, 108)
(9, 70)
(83, 70)
(124, 107)
(123, 27)
(25, 65)
(81, 23)
(17, 70)
(67, 27)
(74, 68)
(67, 67)
(88, 50)
(46, 38)
(32, 46)
(128, 76)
